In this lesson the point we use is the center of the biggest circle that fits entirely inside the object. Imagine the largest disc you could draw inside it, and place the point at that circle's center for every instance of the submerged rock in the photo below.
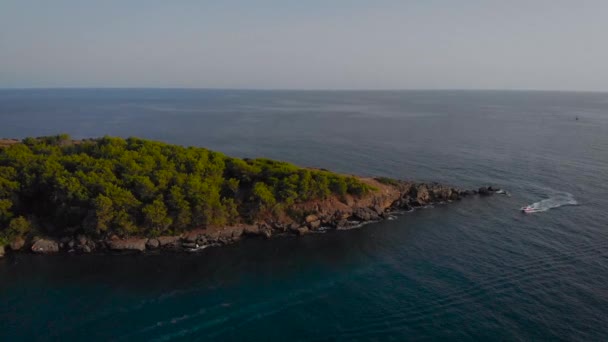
(45, 246)
(489, 190)
(483, 191)
(1, 251)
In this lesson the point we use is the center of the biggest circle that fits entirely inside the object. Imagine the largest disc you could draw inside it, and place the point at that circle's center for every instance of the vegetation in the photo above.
(387, 181)
(56, 186)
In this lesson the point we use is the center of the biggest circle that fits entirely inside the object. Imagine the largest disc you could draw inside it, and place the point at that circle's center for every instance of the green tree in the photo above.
(5, 210)
(103, 214)
(263, 195)
(155, 216)
(116, 186)
(179, 208)
(18, 227)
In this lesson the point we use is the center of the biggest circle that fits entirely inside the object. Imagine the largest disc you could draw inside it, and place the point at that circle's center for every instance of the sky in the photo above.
(312, 44)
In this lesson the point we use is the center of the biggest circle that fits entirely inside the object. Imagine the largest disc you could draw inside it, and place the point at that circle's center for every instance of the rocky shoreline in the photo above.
(328, 214)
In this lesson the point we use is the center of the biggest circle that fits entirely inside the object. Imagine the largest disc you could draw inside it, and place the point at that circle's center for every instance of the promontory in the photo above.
(83, 196)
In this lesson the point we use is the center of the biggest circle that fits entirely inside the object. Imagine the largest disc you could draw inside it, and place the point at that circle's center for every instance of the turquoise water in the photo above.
(476, 269)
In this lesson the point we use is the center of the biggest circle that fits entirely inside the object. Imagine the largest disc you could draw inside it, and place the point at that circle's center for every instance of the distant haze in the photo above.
(313, 44)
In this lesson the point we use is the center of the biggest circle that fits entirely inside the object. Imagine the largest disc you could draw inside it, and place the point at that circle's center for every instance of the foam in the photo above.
(555, 201)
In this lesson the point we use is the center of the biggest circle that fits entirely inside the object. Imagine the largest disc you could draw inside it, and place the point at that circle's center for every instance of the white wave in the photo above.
(555, 201)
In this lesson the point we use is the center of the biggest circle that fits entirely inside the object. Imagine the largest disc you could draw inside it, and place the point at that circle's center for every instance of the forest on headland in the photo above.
(135, 187)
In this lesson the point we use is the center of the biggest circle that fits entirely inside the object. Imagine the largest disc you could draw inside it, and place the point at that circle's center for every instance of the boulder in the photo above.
(237, 232)
(191, 245)
(343, 223)
(407, 207)
(152, 244)
(17, 244)
(261, 230)
(279, 227)
(63, 242)
(251, 230)
(341, 215)
(191, 236)
(224, 240)
(45, 246)
(91, 244)
(422, 194)
(168, 241)
(445, 194)
(314, 224)
(266, 231)
(81, 240)
(468, 193)
(365, 214)
(132, 244)
(302, 230)
(212, 235)
(311, 218)
(484, 191)
(228, 233)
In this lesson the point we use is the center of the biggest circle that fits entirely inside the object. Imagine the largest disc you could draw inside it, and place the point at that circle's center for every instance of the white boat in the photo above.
(529, 209)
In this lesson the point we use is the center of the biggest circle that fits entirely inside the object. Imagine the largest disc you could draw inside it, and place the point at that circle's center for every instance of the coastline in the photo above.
(322, 215)
(111, 194)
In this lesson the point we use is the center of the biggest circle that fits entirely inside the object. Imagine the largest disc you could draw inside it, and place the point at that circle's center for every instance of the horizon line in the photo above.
(306, 89)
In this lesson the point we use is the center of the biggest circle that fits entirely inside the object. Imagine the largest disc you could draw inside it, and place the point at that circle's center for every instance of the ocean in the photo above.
(477, 269)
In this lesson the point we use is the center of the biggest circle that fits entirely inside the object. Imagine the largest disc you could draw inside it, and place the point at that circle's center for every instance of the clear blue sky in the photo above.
(305, 44)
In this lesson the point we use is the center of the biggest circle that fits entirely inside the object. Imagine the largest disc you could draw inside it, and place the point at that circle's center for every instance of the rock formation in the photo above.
(330, 213)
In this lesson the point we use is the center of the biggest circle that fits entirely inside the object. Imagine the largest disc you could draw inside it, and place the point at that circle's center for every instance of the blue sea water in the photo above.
(477, 269)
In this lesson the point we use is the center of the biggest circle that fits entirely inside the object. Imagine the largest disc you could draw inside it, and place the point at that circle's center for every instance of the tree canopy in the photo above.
(134, 186)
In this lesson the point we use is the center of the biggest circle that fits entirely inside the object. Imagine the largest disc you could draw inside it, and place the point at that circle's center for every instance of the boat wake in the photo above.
(555, 201)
